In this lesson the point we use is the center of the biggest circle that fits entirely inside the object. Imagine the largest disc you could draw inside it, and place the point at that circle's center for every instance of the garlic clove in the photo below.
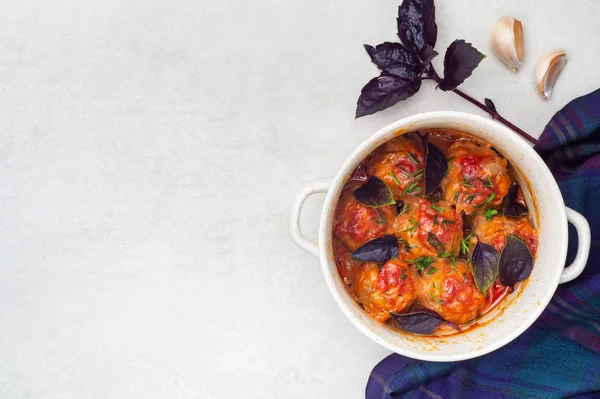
(547, 71)
(507, 42)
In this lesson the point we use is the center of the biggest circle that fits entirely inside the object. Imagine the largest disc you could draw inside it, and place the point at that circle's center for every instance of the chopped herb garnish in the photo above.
(446, 222)
(403, 169)
(435, 242)
(418, 175)
(422, 262)
(453, 260)
(456, 196)
(382, 219)
(414, 225)
(394, 178)
(412, 157)
(407, 247)
(432, 270)
(489, 182)
(464, 245)
(437, 208)
(489, 214)
(435, 299)
(450, 159)
(491, 198)
(467, 183)
(412, 188)
(403, 275)
(470, 198)
(445, 255)
(404, 209)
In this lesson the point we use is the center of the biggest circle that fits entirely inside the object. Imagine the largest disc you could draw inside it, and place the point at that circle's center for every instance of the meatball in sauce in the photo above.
(449, 290)
(477, 177)
(354, 223)
(385, 291)
(494, 232)
(428, 229)
(400, 164)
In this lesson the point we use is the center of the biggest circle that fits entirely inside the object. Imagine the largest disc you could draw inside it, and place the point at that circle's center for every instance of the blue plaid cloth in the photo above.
(559, 355)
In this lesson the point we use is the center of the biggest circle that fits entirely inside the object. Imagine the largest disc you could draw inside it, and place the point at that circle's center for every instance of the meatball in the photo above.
(477, 178)
(383, 291)
(347, 267)
(354, 223)
(450, 291)
(494, 232)
(400, 164)
(426, 229)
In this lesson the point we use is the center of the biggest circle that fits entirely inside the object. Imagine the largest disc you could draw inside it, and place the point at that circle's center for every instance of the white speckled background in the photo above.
(149, 154)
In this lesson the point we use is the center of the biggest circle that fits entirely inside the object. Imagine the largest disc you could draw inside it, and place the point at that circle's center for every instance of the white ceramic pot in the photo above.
(515, 314)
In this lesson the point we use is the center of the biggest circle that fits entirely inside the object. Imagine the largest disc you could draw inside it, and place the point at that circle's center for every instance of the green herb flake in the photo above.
(491, 198)
(403, 275)
(470, 198)
(436, 208)
(422, 262)
(489, 182)
(394, 178)
(413, 158)
(489, 214)
(418, 175)
(464, 245)
(432, 270)
(404, 170)
(382, 219)
(412, 188)
(414, 225)
(435, 299)
(446, 222)
(435, 242)
(404, 209)
(456, 196)
(467, 183)
(407, 247)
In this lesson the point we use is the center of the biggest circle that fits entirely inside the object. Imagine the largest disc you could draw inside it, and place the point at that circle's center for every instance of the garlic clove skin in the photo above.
(547, 71)
(507, 42)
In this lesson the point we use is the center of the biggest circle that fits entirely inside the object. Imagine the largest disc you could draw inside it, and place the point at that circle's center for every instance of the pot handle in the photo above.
(315, 187)
(584, 236)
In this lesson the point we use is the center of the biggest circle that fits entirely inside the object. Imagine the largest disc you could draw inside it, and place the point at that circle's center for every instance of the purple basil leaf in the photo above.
(378, 250)
(436, 166)
(459, 62)
(386, 90)
(416, 24)
(515, 263)
(427, 55)
(485, 265)
(374, 193)
(490, 104)
(510, 206)
(420, 321)
(386, 54)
